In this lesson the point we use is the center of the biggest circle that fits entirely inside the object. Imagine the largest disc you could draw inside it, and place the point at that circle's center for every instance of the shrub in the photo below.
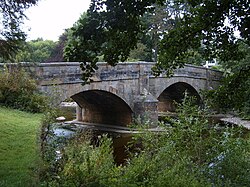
(18, 90)
(233, 94)
(190, 153)
(82, 163)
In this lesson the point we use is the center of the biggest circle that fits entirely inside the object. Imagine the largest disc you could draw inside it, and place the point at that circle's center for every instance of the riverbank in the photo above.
(19, 153)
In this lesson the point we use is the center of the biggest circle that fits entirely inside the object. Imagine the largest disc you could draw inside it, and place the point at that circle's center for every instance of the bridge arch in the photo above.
(103, 107)
(175, 93)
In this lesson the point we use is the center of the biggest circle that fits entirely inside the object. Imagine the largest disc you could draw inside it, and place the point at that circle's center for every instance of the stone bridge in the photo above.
(122, 93)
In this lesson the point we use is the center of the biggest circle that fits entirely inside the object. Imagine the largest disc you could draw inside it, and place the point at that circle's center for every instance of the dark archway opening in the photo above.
(175, 94)
(103, 107)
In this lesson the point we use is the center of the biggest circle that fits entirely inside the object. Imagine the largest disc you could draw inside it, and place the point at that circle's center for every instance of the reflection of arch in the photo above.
(175, 93)
(103, 107)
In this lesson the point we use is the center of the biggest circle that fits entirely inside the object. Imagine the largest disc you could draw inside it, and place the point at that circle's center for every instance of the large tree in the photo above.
(113, 27)
(234, 93)
(155, 24)
(11, 17)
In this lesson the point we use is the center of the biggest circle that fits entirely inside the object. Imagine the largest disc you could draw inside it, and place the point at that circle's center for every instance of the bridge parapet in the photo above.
(122, 71)
(133, 70)
(51, 73)
(198, 72)
(70, 72)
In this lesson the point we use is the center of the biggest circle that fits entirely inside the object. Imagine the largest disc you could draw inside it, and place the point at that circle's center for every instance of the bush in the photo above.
(190, 153)
(82, 163)
(18, 90)
(233, 94)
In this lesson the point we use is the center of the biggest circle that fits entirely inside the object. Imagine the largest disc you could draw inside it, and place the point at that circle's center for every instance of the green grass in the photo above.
(19, 153)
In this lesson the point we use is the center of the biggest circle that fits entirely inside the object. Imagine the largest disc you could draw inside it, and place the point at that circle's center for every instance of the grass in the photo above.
(19, 153)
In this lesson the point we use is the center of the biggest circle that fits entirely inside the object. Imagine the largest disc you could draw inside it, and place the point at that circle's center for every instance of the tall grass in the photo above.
(19, 152)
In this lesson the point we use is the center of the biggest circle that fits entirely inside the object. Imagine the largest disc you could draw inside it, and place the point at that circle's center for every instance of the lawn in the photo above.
(19, 153)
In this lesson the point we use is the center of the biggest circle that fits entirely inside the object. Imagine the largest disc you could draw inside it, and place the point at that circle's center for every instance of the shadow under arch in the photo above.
(176, 93)
(103, 107)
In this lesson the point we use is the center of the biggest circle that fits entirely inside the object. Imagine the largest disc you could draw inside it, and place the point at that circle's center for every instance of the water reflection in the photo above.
(62, 132)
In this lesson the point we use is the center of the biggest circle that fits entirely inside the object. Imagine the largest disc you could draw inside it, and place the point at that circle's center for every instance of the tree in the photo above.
(112, 28)
(57, 52)
(209, 24)
(11, 35)
(38, 50)
(142, 52)
(112, 33)
(155, 24)
(234, 93)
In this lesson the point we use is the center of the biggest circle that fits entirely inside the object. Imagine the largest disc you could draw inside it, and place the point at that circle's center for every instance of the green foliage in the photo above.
(203, 25)
(155, 24)
(19, 150)
(83, 163)
(9, 49)
(231, 167)
(214, 151)
(11, 35)
(190, 153)
(36, 51)
(236, 65)
(18, 90)
(140, 53)
(57, 52)
(234, 92)
(94, 163)
(111, 33)
(113, 28)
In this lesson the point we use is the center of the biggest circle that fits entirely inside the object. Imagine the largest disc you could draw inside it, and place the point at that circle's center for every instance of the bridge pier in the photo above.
(146, 110)
(79, 113)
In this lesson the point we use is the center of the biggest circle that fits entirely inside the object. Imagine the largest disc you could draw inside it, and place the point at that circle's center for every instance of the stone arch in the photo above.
(175, 93)
(162, 83)
(103, 107)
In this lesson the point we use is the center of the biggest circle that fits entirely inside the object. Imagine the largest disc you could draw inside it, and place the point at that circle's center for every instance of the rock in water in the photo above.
(61, 118)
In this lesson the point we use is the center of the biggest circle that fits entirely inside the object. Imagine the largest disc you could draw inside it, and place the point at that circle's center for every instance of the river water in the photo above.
(120, 140)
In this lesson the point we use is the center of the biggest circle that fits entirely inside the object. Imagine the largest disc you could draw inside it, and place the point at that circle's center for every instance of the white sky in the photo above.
(49, 18)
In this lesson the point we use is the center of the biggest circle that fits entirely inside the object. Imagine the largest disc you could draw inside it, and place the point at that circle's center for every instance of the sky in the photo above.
(49, 18)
